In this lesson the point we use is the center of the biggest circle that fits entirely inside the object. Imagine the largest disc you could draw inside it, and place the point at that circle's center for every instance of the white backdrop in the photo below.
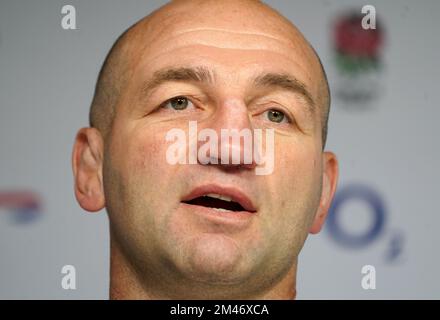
(388, 151)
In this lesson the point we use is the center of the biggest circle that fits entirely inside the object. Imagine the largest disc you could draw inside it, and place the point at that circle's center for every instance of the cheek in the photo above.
(297, 178)
(151, 173)
(140, 158)
(148, 183)
(298, 185)
(145, 156)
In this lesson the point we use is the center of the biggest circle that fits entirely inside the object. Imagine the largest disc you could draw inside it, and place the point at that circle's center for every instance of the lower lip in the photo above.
(226, 217)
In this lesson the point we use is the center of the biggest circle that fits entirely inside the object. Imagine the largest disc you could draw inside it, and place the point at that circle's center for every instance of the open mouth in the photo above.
(217, 202)
(224, 199)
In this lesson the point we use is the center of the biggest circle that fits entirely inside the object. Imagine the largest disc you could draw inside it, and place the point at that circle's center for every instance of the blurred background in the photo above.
(383, 127)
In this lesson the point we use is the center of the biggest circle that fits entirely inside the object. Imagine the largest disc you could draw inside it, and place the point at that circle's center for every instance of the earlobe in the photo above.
(329, 183)
(87, 157)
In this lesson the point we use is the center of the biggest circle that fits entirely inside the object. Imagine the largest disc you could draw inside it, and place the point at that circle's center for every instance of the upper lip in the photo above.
(234, 193)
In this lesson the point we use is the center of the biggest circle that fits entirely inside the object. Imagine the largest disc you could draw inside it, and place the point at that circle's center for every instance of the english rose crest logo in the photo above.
(358, 53)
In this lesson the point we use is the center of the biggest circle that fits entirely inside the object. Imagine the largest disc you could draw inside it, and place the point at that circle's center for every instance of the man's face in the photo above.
(145, 194)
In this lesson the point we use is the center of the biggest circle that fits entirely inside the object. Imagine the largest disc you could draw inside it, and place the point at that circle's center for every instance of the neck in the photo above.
(127, 284)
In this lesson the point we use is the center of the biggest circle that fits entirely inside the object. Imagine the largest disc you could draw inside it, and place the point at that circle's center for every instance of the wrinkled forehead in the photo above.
(231, 37)
(248, 16)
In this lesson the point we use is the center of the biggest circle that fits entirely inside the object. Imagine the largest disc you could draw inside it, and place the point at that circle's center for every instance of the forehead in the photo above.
(235, 44)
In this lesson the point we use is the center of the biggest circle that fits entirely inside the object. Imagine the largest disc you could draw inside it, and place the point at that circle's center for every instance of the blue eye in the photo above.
(177, 103)
(276, 116)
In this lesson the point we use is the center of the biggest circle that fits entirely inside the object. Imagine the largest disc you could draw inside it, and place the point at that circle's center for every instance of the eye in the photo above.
(276, 116)
(177, 103)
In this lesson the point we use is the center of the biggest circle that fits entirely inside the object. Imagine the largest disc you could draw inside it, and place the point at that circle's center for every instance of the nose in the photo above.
(231, 126)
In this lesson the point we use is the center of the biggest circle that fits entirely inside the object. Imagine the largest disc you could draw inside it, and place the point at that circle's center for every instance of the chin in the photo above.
(214, 258)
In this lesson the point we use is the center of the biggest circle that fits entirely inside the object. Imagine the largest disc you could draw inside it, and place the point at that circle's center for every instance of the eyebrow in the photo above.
(197, 74)
(202, 74)
(286, 82)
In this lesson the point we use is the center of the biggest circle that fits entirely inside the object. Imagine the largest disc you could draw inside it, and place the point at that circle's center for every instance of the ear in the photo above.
(87, 159)
(329, 182)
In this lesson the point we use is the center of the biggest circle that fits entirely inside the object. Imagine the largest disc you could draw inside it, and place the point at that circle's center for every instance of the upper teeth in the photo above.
(218, 196)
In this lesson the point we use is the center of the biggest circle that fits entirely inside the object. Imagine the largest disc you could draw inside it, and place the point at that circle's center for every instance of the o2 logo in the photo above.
(22, 206)
(346, 237)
